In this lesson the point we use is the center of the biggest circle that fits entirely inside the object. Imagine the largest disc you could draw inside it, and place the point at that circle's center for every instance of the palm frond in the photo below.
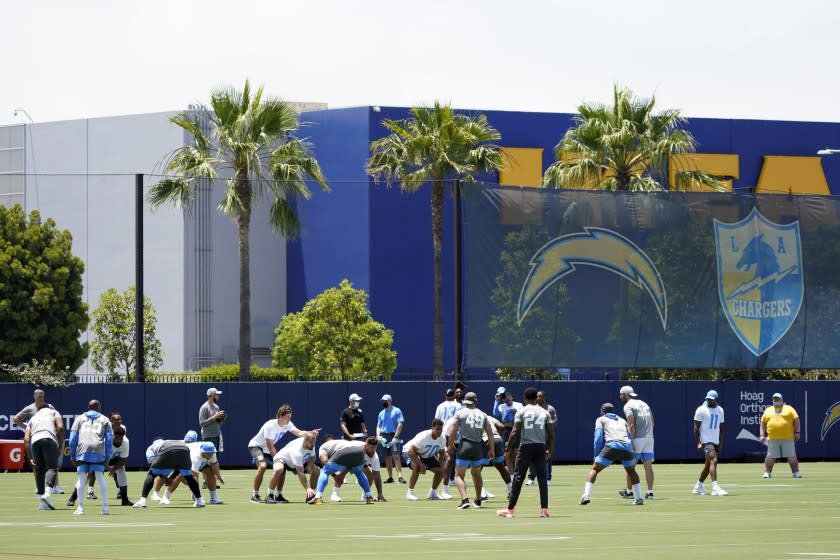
(171, 191)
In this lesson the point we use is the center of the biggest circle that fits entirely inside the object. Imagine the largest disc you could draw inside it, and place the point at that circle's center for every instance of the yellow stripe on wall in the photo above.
(523, 167)
(792, 175)
(717, 165)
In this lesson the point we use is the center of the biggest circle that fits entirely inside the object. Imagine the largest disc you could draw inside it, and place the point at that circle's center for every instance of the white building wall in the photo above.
(81, 174)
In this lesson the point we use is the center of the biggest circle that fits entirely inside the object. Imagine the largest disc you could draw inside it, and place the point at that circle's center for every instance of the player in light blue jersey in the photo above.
(612, 443)
(91, 438)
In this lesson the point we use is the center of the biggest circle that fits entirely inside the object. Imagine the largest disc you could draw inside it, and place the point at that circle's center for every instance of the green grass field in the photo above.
(777, 518)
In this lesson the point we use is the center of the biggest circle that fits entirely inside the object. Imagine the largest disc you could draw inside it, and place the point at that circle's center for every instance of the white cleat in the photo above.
(699, 489)
(57, 489)
(217, 501)
(411, 497)
(79, 511)
(105, 511)
(47, 502)
(445, 495)
(529, 482)
(485, 495)
(718, 491)
(335, 498)
(766, 475)
(797, 475)
(199, 503)
(164, 501)
(155, 497)
(140, 504)
(43, 506)
(433, 496)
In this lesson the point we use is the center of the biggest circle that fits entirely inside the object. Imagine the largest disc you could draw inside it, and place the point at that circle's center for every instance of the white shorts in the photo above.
(643, 447)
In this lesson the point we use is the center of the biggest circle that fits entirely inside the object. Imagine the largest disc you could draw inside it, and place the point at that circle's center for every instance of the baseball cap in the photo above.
(501, 390)
(213, 391)
(354, 397)
(385, 397)
(208, 447)
(607, 407)
(191, 436)
(627, 390)
(470, 398)
(711, 395)
(778, 396)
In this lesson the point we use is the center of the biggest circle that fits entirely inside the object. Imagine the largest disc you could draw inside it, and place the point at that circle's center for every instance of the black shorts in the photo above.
(471, 450)
(430, 462)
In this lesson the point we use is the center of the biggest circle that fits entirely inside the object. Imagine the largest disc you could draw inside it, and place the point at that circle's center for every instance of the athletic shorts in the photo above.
(260, 456)
(394, 448)
(709, 447)
(430, 462)
(470, 454)
(610, 455)
(778, 448)
(83, 467)
(643, 448)
(498, 451)
(173, 459)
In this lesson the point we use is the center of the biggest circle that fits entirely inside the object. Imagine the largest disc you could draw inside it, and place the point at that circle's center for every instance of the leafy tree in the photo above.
(625, 146)
(254, 140)
(439, 145)
(335, 337)
(42, 314)
(114, 335)
(40, 374)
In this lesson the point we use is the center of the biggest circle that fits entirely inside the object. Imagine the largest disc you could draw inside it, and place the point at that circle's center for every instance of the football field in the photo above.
(777, 518)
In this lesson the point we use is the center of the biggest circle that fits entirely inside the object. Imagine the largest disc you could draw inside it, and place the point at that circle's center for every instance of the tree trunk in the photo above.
(244, 223)
(437, 242)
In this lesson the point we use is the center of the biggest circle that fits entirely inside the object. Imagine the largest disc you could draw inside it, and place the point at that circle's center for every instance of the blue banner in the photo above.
(574, 278)
(169, 410)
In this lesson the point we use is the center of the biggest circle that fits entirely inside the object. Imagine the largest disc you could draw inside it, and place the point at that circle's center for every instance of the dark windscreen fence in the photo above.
(574, 278)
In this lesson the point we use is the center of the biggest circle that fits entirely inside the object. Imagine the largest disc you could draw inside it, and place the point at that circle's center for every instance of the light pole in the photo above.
(24, 111)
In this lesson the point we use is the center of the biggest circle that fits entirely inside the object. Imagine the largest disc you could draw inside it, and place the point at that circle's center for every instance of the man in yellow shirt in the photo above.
(780, 431)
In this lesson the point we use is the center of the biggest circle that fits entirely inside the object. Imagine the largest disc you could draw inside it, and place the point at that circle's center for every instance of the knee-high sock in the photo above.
(103, 488)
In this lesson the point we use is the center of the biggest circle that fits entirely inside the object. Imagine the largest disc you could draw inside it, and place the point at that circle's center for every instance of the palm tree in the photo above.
(439, 145)
(252, 140)
(623, 147)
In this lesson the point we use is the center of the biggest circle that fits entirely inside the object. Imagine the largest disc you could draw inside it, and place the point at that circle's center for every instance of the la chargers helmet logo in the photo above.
(760, 282)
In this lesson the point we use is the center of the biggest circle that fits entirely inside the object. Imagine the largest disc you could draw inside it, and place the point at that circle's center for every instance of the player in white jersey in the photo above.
(427, 451)
(262, 445)
(297, 456)
(472, 423)
(708, 433)
(640, 423)
(91, 438)
(40, 443)
(531, 440)
(22, 418)
(116, 465)
(445, 411)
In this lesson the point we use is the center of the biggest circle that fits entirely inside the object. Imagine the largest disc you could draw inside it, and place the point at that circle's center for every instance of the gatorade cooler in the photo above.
(12, 456)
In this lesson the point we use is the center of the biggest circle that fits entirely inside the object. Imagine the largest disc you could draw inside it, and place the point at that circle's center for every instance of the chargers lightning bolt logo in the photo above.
(598, 247)
(832, 416)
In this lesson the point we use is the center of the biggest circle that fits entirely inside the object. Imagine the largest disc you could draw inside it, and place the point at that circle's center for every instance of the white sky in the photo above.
(768, 59)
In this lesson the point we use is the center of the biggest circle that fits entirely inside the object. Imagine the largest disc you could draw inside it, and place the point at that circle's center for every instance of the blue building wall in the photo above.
(380, 238)
(169, 410)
